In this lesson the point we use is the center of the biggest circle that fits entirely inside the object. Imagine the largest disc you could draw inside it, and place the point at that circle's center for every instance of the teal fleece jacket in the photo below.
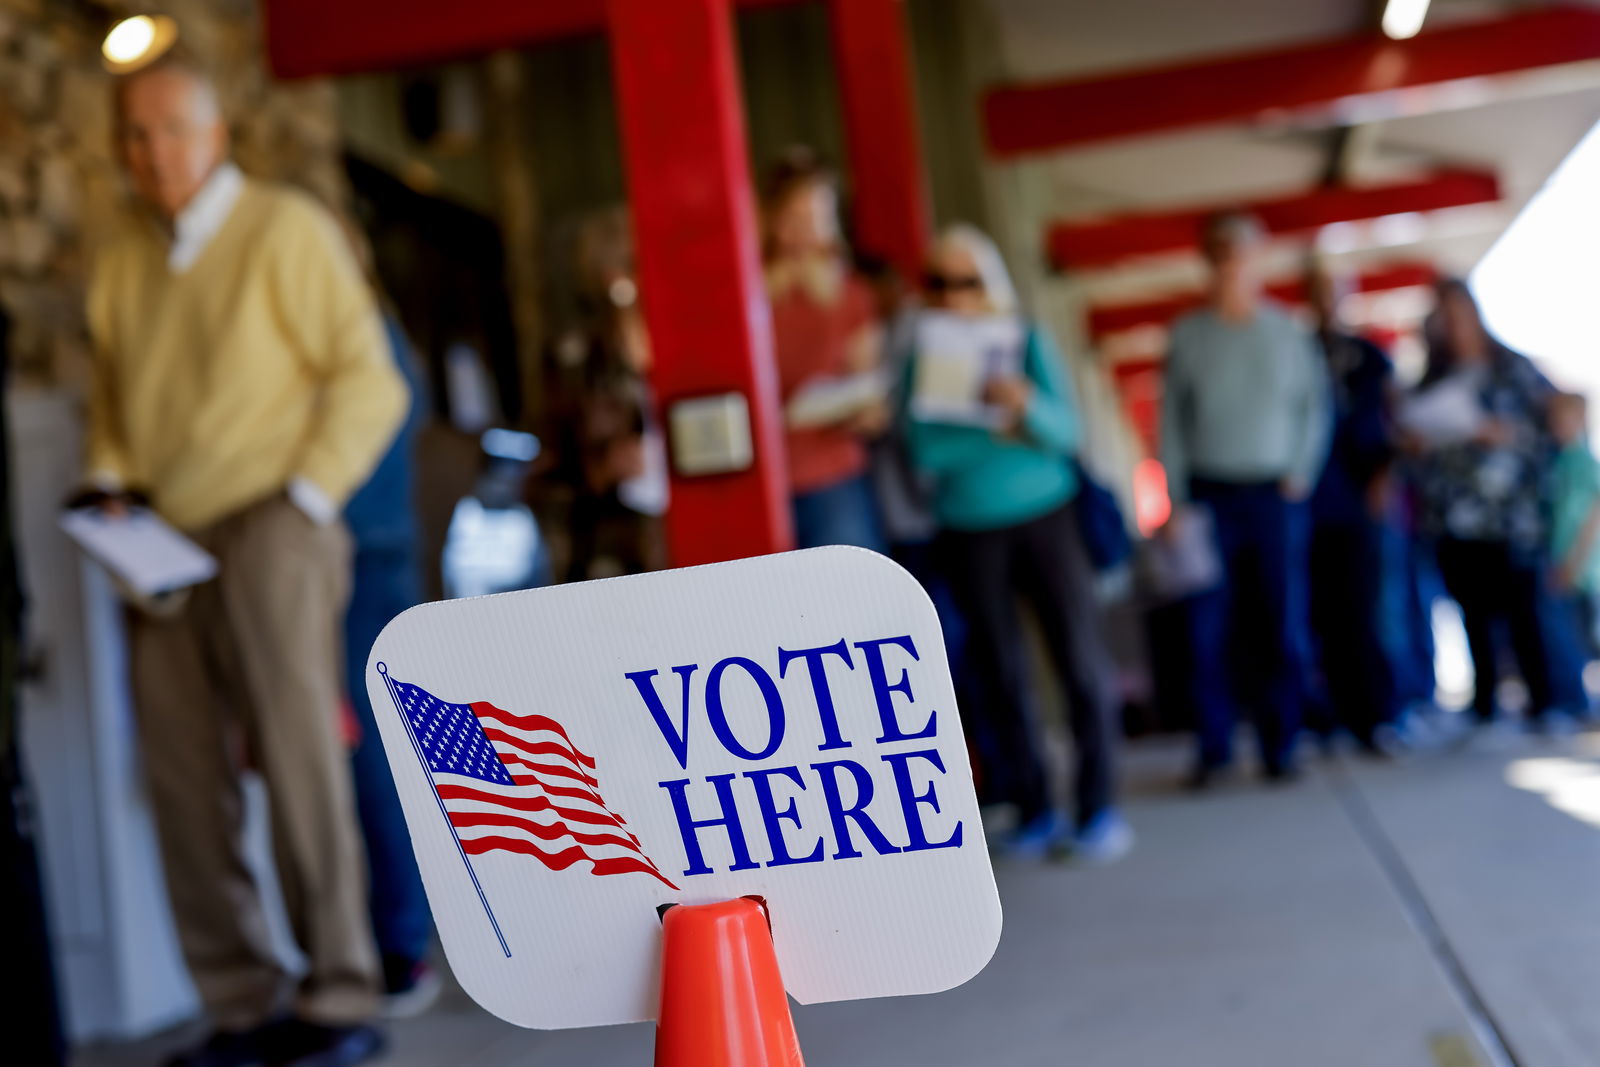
(983, 480)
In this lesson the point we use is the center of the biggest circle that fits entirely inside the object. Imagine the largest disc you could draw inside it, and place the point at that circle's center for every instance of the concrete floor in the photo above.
(1314, 926)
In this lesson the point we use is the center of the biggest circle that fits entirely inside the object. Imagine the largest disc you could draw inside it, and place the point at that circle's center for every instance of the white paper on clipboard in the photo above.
(140, 549)
(827, 401)
(957, 357)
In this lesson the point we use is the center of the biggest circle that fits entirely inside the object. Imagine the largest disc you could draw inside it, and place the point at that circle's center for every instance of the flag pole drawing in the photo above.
(515, 783)
(428, 767)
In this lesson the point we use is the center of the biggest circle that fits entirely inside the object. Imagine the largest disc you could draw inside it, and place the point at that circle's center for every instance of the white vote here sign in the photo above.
(571, 758)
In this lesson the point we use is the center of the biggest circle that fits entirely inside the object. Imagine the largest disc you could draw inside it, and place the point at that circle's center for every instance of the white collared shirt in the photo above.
(204, 216)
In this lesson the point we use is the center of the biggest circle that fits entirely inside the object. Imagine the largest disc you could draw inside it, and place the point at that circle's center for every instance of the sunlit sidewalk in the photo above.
(1253, 926)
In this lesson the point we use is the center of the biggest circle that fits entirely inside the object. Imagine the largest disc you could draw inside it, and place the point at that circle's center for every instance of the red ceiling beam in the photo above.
(308, 38)
(1104, 241)
(1046, 116)
(1106, 319)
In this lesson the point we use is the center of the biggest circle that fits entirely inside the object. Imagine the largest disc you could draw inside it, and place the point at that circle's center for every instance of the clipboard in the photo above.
(140, 549)
(957, 357)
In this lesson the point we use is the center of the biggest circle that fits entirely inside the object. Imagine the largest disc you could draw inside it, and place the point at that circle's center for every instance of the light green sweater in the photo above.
(1243, 402)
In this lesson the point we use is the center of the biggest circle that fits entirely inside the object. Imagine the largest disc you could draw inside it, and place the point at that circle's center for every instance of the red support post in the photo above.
(683, 138)
(880, 122)
(1323, 76)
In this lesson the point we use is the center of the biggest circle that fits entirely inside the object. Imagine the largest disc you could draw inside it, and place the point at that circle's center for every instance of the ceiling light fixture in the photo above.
(137, 41)
(1403, 18)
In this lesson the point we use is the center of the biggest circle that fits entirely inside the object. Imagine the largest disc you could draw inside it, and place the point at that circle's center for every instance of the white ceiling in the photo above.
(1521, 127)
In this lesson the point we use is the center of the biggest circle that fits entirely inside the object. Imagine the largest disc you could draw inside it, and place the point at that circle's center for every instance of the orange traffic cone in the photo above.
(722, 998)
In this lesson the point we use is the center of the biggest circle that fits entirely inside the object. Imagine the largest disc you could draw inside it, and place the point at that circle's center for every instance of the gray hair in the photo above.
(1237, 229)
(185, 65)
(991, 265)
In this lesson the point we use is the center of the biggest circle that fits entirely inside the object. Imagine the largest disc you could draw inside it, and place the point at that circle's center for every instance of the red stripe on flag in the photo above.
(483, 709)
(622, 824)
(560, 861)
(544, 831)
(522, 746)
(574, 792)
(461, 792)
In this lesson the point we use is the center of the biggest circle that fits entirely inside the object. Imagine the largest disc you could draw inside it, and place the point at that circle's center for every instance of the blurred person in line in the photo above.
(1349, 513)
(825, 331)
(35, 1033)
(1004, 495)
(1476, 426)
(1244, 430)
(603, 446)
(386, 579)
(1574, 536)
(243, 385)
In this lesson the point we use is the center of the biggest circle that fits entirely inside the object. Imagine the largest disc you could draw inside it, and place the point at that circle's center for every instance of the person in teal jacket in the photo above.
(1004, 494)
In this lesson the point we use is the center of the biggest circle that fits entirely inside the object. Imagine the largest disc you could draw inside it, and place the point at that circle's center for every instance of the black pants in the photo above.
(1494, 588)
(33, 1035)
(1044, 561)
(1347, 577)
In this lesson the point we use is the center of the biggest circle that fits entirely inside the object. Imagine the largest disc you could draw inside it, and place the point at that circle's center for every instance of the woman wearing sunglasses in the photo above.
(1003, 490)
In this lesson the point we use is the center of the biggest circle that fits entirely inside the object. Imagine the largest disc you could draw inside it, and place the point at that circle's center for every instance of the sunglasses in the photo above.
(946, 283)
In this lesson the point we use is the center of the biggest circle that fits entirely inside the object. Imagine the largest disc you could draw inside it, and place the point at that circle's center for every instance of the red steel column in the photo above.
(877, 97)
(694, 217)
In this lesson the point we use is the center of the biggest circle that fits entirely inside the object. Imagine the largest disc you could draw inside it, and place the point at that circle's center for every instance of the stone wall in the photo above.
(60, 189)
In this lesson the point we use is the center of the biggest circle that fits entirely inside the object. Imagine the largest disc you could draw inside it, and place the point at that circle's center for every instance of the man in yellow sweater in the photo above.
(244, 386)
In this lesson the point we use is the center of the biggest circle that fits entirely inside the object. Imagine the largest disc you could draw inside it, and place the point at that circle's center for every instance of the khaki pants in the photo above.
(251, 664)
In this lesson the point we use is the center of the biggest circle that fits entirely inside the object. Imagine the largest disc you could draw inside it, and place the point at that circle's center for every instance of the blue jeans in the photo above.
(844, 513)
(387, 582)
(1250, 633)
(1567, 646)
(1405, 615)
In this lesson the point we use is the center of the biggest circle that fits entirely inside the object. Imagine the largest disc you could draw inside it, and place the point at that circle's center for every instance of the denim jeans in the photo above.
(844, 513)
(387, 582)
(1250, 633)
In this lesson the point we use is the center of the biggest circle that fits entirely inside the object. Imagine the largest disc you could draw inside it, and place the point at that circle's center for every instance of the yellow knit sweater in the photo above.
(263, 362)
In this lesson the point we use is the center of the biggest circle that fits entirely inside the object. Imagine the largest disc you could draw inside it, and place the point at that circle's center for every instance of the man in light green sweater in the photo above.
(243, 385)
(1245, 420)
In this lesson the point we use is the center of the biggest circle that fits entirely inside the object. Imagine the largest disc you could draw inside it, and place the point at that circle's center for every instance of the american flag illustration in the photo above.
(517, 783)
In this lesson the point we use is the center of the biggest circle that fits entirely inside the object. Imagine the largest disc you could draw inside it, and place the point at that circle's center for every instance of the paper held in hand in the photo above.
(569, 759)
(140, 550)
(1446, 413)
(957, 357)
(829, 401)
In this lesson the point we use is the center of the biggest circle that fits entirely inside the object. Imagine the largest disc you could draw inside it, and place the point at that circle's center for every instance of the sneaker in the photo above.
(410, 988)
(301, 1043)
(225, 1048)
(1032, 840)
(1105, 840)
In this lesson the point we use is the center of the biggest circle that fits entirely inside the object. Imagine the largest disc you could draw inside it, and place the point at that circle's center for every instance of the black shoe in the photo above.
(226, 1048)
(299, 1043)
(1206, 775)
(1282, 774)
